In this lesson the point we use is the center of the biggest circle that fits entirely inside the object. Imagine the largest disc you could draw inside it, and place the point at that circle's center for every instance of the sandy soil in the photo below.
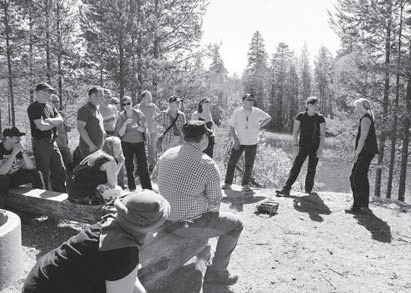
(310, 245)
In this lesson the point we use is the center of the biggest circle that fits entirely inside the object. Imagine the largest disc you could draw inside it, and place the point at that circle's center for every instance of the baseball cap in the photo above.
(194, 128)
(173, 99)
(44, 86)
(12, 131)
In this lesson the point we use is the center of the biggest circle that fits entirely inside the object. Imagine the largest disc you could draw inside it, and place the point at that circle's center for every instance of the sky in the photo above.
(294, 22)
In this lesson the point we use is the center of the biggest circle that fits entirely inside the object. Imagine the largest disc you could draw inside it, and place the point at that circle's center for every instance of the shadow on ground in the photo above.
(379, 229)
(34, 227)
(313, 205)
(237, 199)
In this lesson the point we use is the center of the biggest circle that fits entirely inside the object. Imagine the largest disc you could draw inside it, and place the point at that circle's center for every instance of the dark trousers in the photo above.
(249, 156)
(360, 185)
(303, 152)
(136, 149)
(210, 148)
(50, 162)
(21, 176)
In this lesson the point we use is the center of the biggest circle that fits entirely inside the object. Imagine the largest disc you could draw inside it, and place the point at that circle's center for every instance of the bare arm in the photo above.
(128, 284)
(55, 121)
(5, 167)
(43, 125)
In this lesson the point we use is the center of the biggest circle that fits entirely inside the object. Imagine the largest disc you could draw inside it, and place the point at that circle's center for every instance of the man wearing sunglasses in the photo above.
(245, 124)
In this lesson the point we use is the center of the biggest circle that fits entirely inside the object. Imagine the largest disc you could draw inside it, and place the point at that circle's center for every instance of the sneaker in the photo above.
(217, 277)
(283, 192)
(226, 186)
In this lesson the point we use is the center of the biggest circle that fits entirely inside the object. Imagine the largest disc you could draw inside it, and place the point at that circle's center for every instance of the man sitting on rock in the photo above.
(16, 167)
(190, 181)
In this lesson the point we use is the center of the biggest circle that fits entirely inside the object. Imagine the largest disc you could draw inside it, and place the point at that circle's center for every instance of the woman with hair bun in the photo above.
(365, 149)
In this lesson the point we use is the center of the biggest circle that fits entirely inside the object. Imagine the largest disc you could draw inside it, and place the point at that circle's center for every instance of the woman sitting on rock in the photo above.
(97, 174)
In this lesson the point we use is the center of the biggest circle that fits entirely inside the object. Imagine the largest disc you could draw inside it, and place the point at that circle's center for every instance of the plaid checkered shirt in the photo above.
(189, 180)
(165, 120)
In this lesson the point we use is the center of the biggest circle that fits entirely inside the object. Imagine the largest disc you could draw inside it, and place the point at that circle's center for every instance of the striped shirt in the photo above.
(189, 180)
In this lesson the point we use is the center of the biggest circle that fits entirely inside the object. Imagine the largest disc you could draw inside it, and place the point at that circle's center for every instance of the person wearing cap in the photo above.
(109, 113)
(171, 121)
(190, 181)
(62, 138)
(308, 140)
(203, 114)
(44, 119)
(16, 167)
(90, 123)
(245, 124)
(132, 129)
(103, 257)
(151, 111)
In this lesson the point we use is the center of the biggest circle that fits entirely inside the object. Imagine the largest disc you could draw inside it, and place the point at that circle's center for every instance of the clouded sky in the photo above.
(233, 23)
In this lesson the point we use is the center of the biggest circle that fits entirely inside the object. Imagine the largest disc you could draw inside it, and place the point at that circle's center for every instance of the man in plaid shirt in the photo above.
(190, 181)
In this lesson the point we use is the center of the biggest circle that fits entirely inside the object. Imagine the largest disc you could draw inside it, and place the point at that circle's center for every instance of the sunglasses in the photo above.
(55, 102)
(126, 104)
(250, 100)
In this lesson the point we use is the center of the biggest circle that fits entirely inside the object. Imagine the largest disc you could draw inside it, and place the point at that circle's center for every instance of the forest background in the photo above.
(132, 45)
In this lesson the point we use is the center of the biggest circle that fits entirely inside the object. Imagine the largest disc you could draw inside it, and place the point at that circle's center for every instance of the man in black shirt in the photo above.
(311, 127)
(44, 118)
(16, 167)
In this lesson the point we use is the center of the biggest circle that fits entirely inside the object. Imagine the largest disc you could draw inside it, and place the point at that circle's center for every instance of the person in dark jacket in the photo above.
(365, 149)
(103, 257)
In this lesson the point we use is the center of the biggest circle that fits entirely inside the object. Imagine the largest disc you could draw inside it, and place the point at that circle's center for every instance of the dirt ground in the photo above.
(310, 245)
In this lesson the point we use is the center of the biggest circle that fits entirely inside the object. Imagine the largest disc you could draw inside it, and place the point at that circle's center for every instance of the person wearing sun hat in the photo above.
(103, 257)
(16, 166)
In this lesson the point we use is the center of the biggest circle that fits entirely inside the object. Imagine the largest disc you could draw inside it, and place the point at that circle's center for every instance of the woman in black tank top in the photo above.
(365, 149)
(203, 114)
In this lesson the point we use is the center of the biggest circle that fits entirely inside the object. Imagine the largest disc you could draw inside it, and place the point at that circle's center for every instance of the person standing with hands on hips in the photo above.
(308, 139)
(365, 149)
(244, 127)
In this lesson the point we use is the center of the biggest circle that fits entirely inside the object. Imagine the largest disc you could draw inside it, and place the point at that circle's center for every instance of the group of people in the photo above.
(188, 180)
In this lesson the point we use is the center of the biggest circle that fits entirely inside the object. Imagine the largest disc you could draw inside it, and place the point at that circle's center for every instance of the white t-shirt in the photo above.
(246, 124)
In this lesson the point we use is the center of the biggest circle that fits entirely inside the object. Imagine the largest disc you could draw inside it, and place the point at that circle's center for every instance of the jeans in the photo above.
(249, 156)
(360, 185)
(50, 162)
(303, 152)
(226, 226)
(139, 150)
(152, 150)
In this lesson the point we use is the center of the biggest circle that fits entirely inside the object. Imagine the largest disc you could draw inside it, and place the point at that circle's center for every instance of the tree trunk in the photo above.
(381, 143)
(395, 122)
(59, 56)
(406, 137)
(48, 57)
(12, 118)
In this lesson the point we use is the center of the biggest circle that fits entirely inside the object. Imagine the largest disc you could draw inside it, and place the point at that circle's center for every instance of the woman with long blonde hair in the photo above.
(364, 151)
